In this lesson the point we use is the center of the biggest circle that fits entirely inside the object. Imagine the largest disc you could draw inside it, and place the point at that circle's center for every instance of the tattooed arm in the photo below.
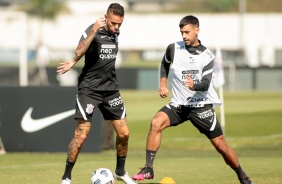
(82, 47)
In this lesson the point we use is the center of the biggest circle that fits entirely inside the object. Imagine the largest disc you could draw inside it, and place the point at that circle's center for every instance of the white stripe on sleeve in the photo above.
(166, 59)
(84, 34)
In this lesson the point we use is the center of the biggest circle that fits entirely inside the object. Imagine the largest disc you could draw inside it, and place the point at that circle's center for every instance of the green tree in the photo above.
(222, 5)
(45, 9)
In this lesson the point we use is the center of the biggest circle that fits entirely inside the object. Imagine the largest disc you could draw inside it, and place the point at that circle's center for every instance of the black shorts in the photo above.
(203, 118)
(109, 103)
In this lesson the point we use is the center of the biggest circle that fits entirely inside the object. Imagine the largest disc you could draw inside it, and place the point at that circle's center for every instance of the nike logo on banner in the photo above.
(32, 125)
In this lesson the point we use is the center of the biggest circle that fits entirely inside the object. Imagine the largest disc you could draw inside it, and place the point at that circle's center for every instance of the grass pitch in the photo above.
(253, 129)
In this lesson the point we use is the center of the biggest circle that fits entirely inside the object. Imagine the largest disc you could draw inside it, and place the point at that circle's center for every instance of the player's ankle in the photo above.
(119, 172)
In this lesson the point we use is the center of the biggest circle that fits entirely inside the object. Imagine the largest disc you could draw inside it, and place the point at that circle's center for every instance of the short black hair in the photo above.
(116, 9)
(189, 19)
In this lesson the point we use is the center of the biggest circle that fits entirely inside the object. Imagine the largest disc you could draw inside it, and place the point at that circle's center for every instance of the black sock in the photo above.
(68, 169)
(239, 171)
(150, 157)
(120, 165)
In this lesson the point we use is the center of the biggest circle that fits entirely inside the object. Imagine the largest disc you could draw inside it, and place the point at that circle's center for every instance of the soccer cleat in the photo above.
(245, 180)
(145, 173)
(66, 181)
(125, 178)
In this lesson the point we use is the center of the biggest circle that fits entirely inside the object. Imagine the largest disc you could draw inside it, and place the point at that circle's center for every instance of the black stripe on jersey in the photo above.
(204, 84)
(166, 61)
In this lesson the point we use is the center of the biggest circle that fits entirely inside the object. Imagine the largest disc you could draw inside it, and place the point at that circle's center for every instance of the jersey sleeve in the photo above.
(166, 61)
(204, 83)
(85, 33)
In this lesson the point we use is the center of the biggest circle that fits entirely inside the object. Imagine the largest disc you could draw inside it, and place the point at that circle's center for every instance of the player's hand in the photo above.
(189, 82)
(163, 92)
(64, 67)
(100, 22)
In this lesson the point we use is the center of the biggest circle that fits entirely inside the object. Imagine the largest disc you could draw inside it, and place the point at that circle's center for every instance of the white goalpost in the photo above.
(13, 35)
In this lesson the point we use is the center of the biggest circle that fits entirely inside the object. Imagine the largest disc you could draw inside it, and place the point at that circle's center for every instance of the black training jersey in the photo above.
(98, 73)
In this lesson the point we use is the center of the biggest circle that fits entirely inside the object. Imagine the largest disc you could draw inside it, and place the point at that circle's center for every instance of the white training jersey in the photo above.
(185, 63)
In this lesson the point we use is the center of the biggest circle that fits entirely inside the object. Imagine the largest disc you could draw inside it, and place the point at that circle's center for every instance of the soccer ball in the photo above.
(102, 176)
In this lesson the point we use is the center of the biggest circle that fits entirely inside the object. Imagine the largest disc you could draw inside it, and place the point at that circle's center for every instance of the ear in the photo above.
(198, 30)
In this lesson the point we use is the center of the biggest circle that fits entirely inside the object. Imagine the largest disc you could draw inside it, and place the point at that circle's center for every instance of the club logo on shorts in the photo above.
(89, 108)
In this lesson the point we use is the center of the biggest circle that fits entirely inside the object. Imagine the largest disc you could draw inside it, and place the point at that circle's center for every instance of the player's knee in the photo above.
(82, 130)
(159, 122)
(123, 135)
(83, 138)
(156, 124)
(220, 144)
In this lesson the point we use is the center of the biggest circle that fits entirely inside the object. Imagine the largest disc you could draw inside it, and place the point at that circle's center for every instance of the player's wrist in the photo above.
(192, 88)
(93, 31)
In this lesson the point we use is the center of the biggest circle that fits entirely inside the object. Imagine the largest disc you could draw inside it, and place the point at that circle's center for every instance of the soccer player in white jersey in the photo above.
(193, 98)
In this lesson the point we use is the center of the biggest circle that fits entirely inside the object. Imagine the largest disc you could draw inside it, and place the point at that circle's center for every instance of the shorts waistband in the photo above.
(198, 105)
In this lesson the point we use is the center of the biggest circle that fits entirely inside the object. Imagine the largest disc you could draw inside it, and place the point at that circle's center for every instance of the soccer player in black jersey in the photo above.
(193, 98)
(98, 88)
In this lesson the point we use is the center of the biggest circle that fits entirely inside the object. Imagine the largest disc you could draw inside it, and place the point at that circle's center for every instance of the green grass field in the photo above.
(253, 129)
